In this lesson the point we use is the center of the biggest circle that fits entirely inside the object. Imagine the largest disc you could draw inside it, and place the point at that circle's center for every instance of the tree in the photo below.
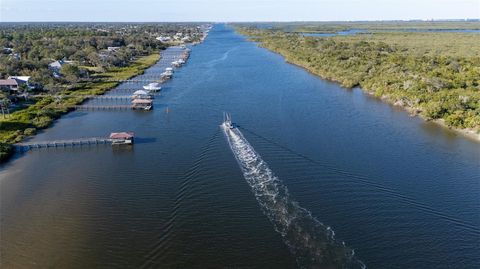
(71, 72)
(5, 105)
(94, 59)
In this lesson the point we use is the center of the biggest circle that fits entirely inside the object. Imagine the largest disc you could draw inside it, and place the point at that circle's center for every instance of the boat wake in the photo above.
(312, 243)
(224, 56)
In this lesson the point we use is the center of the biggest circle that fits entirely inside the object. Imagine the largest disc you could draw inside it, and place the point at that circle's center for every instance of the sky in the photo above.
(235, 10)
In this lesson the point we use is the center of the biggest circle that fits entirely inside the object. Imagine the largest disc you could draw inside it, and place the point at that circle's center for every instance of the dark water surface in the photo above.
(401, 192)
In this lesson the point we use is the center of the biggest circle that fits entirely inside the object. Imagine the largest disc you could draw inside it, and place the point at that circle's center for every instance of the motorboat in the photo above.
(141, 94)
(153, 87)
(227, 121)
(166, 75)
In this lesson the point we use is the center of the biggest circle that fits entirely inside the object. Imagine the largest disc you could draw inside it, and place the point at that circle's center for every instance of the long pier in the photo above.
(137, 80)
(94, 107)
(63, 143)
(103, 97)
(110, 97)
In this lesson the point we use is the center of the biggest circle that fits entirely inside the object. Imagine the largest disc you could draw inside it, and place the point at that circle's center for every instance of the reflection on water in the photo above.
(401, 192)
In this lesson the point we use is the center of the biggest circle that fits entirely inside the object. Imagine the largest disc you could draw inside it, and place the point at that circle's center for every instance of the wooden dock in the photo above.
(110, 97)
(94, 107)
(136, 80)
(63, 143)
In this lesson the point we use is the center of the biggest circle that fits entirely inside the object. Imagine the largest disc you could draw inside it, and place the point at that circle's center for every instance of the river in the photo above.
(311, 165)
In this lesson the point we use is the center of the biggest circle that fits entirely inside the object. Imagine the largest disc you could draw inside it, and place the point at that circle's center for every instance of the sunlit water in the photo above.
(311, 166)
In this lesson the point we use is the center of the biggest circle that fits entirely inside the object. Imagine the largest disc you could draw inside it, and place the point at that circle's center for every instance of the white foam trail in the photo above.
(221, 59)
(312, 243)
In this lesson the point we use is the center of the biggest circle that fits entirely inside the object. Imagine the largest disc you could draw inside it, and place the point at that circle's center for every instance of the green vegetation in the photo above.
(434, 74)
(333, 27)
(22, 123)
(28, 49)
(66, 62)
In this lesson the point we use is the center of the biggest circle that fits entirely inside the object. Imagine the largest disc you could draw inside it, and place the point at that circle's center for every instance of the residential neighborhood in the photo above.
(31, 64)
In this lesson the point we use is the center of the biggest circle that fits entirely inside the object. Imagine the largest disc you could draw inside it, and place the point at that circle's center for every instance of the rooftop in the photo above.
(122, 135)
(8, 82)
(141, 101)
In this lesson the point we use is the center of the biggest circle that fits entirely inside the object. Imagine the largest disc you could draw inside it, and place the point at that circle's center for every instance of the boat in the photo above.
(169, 69)
(153, 87)
(227, 121)
(166, 75)
(141, 94)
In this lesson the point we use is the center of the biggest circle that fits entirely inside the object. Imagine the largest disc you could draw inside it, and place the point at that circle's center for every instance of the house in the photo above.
(6, 50)
(103, 55)
(57, 66)
(17, 56)
(164, 38)
(113, 49)
(23, 80)
(178, 36)
(9, 85)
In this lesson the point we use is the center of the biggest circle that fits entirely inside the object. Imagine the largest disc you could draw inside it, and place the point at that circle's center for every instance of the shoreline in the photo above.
(97, 88)
(466, 132)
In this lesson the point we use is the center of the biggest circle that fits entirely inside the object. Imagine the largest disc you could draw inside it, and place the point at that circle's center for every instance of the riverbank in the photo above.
(24, 123)
(436, 83)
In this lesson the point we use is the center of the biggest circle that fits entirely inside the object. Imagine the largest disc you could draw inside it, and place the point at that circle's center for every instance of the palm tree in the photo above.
(4, 105)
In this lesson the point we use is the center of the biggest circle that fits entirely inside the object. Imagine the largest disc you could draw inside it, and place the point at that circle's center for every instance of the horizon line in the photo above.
(258, 21)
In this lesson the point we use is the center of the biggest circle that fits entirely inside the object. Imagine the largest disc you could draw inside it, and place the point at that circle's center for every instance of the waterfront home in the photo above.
(6, 50)
(55, 67)
(164, 38)
(122, 138)
(9, 85)
(22, 80)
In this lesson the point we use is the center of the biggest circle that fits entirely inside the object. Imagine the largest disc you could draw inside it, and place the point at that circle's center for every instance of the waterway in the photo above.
(311, 165)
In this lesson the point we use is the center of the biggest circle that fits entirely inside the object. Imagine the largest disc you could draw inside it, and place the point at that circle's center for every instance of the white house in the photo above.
(164, 38)
(113, 49)
(21, 79)
(56, 66)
